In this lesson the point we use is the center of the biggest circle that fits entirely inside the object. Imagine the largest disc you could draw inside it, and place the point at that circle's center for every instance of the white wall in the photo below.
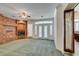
(59, 26)
(30, 27)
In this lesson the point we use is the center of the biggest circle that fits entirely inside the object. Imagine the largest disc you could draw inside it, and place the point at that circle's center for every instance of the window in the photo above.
(35, 29)
(76, 25)
(40, 31)
(45, 31)
(51, 30)
(43, 22)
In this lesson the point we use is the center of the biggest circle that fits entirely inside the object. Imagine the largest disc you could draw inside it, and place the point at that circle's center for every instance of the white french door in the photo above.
(40, 31)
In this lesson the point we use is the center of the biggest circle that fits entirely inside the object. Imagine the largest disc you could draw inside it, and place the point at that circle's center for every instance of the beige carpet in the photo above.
(29, 47)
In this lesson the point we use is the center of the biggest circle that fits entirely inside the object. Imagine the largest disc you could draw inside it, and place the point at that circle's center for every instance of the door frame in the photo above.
(68, 8)
(65, 49)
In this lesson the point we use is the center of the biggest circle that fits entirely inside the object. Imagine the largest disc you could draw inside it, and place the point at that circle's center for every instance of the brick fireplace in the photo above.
(9, 29)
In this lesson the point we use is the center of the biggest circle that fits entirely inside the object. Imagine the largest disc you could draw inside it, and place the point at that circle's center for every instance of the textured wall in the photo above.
(7, 29)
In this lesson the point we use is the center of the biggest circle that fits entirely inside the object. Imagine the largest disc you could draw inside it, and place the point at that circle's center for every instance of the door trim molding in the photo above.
(65, 49)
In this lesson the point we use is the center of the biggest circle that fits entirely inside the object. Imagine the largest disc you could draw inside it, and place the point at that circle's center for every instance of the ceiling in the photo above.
(77, 8)
(76, 12)
(33, 10)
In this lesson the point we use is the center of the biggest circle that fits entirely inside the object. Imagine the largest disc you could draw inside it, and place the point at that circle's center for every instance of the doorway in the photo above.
(71, 30)
(44, 29)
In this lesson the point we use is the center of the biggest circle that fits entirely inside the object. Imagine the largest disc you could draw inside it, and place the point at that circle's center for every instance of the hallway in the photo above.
(29, 47)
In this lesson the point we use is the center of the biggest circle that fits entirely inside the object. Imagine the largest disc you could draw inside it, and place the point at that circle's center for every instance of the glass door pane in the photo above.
(35, 30)
(51, 29)
(45, 31)
(40, 31)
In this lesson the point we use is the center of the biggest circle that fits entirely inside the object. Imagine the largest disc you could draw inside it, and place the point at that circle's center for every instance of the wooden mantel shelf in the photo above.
(8, 25)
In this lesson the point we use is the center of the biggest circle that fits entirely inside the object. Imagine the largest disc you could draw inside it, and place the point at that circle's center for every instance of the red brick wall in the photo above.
(7, 29)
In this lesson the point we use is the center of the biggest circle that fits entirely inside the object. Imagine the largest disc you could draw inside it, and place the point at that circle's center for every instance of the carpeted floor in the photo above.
(29, 47)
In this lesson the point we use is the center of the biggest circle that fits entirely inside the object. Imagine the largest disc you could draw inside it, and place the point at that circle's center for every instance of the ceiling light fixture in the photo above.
(22, 14)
